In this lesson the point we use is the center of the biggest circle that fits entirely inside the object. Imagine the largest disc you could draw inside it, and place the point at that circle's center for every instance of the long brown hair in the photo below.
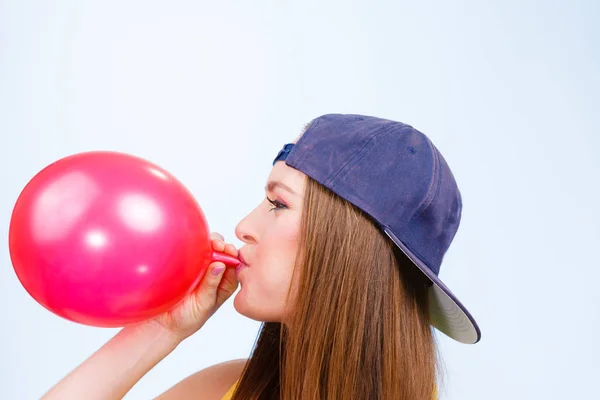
(360, 327)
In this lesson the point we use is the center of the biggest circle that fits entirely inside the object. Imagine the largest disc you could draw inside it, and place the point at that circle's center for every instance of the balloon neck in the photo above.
(229, 261)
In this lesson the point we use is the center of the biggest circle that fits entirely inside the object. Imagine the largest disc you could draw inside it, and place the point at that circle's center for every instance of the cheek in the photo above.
(276, 256)
(279, 247)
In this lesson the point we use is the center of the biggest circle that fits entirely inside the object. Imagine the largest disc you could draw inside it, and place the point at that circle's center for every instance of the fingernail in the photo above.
(217, 270)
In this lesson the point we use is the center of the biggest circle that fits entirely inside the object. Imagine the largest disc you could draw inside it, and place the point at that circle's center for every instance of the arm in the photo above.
(118, 365)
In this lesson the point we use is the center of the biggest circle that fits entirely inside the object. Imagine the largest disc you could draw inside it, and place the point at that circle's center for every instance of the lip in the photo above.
(243, 264)
(242, 259)
(239, 268)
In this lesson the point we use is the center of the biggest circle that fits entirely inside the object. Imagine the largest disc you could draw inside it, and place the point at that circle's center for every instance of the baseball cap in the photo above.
(395, 174)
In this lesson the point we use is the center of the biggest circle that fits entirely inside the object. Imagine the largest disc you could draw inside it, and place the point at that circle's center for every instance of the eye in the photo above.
(277, 205)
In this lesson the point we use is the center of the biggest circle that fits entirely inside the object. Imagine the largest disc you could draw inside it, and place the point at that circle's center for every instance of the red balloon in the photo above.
(109, 239)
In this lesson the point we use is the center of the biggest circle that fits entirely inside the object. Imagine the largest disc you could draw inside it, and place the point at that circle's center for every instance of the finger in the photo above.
(217, 235)
(231, 250)
(218, 245)
(206, 292)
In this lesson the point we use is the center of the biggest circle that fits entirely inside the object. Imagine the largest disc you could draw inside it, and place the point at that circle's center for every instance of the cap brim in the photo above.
(447, 313)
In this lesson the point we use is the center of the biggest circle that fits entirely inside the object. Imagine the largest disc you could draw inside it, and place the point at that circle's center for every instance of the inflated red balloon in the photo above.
(109, 239)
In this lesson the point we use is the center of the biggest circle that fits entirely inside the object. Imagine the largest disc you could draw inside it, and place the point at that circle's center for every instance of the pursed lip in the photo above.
(243, 264)
(242, 259)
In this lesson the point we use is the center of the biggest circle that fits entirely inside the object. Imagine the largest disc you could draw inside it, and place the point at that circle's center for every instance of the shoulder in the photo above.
(210, 383)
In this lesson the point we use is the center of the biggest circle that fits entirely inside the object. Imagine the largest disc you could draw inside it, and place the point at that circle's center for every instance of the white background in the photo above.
(509, 92)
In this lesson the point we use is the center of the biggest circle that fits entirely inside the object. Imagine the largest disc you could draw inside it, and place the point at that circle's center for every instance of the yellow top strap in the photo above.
(230, 392)
(232, 389)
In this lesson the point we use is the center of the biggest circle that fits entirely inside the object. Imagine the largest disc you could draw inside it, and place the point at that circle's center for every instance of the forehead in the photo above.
(291, 177)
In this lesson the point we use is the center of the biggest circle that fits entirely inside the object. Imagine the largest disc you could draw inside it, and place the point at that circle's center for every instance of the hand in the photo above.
(212, 291)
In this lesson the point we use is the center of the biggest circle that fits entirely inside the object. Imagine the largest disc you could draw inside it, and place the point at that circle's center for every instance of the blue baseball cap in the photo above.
(395, 174)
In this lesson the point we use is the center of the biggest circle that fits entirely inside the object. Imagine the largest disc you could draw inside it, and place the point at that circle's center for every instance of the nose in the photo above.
(243, 230)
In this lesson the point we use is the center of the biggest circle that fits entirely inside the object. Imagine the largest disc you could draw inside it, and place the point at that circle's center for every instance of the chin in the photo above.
(255, 312)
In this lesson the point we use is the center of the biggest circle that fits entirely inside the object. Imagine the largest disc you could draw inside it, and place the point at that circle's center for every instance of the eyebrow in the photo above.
(274, 184)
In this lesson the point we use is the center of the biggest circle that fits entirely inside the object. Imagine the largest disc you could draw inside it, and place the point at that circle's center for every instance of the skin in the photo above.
(271, 235)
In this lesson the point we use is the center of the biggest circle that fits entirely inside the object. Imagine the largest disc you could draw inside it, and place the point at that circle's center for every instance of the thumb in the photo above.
(206, 292)
(228, 286)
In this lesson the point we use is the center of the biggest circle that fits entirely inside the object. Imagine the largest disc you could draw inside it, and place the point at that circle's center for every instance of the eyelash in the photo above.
(277, 205)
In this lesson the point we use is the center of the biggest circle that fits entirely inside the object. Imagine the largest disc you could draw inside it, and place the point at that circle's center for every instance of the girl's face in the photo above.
(271, 235)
